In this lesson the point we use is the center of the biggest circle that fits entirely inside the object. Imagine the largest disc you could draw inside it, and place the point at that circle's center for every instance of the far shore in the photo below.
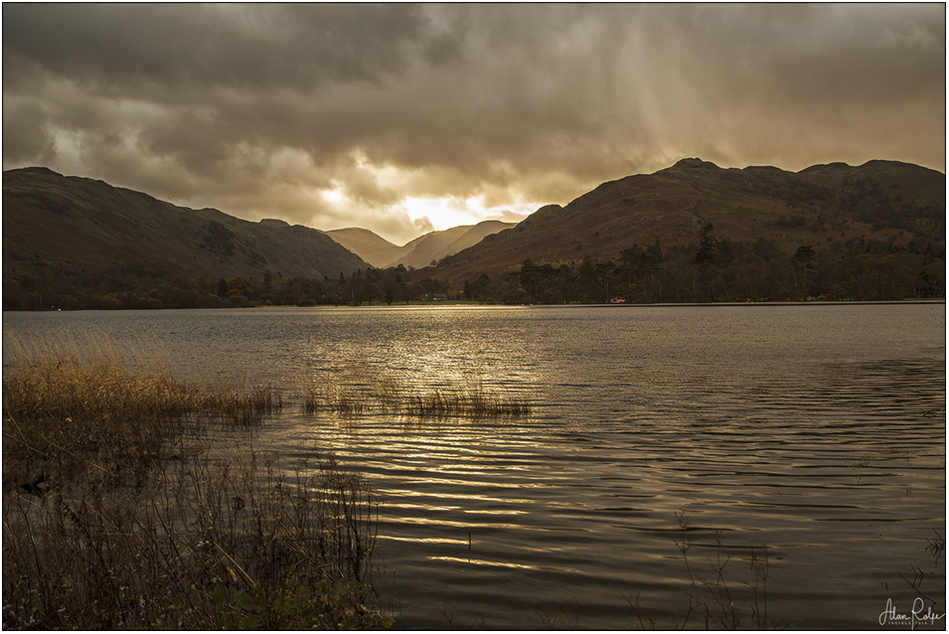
(475, 304)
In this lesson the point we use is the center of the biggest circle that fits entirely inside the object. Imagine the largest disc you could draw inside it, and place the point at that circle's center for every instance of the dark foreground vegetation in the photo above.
(714, 270)
(135, 500)
(120, 511)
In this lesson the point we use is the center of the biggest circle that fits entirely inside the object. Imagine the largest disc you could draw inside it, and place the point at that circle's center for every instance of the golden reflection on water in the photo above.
(494, 484)
(499, 564)
(474, 497)
(441, 521)
(424, 540)
(427, 507)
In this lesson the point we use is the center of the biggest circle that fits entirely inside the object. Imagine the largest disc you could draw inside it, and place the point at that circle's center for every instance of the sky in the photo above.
(404, 119)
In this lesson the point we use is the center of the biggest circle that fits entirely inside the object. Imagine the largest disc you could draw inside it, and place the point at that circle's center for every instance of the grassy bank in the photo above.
(121, 512)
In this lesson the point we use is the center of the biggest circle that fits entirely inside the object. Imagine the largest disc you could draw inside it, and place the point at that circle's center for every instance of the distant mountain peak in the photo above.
(419, 252)
(40, 170)
(695, 163)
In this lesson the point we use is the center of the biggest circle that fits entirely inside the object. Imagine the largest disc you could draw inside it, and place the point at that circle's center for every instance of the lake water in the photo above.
(813, 435)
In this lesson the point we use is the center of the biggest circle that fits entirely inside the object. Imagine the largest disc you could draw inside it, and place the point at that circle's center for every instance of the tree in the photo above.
(528, 278)
(804, 257)
(239, 286)
(706, 251)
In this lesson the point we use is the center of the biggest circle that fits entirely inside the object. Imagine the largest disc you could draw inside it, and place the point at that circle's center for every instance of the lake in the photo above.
(795, 453)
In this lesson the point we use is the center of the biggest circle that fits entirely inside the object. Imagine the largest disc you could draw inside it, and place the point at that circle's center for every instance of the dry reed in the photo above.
(730, 594)
(73, 404)
(363, 390)
(117, 515)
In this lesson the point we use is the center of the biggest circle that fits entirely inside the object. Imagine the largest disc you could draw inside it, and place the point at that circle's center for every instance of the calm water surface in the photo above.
(813, 435)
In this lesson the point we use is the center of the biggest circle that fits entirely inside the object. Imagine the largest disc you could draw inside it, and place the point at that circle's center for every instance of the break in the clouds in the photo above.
(406, 118)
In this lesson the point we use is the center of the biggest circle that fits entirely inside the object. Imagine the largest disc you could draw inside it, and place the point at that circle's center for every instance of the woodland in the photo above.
(714, 270)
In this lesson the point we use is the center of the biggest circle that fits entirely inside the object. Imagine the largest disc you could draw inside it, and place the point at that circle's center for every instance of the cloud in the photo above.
(261, 109)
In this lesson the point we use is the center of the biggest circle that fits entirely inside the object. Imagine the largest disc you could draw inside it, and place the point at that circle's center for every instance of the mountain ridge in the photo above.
(71, 224)
(418, 252)
(675, 204)
(105, 246)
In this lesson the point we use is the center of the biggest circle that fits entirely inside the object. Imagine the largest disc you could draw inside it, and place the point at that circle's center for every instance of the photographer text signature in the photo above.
(919, 615)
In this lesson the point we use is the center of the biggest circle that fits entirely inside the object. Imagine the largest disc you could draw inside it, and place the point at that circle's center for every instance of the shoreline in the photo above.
(472, 304)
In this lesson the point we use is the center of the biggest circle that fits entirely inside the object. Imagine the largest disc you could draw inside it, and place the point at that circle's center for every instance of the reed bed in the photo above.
(78, 404)
(364, 390)
(117, 514)
(455, 401)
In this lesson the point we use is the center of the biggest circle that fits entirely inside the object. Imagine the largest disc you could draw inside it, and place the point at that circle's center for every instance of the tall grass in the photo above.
(117, 514)
(360, 389)
(463, 401)
(75, 405)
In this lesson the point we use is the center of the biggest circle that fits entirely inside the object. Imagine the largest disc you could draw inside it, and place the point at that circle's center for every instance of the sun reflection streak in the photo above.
(425, 507)
(502, 564)
(468, 496)
(441, 522)
(425, 540)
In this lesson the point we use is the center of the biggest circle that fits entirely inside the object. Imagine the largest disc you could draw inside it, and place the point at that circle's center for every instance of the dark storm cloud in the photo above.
(245, 47)
(262, 109)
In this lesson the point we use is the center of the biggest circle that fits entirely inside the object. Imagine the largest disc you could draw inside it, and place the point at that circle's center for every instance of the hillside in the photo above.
(87, 232)
(473, 236)
(372, 248)
(436, 245)
(693, 232)
(885, 201)
(421, 251)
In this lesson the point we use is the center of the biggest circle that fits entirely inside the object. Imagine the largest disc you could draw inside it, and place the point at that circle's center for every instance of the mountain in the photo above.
(887, 201)
(473, 236)
(692, 232)
(421, 251)
(436, 245)
(372, 248)
(86, 230)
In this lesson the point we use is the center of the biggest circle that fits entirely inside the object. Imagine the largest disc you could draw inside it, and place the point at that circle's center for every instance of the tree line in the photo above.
(718, 270)
(714, 270)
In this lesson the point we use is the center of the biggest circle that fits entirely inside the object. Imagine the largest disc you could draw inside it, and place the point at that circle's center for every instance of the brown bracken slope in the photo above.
(86, 229)
(880, 200)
